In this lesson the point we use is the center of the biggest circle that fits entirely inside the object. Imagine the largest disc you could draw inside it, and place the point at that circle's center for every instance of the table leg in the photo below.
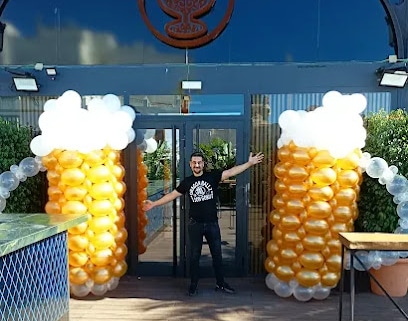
(352, 285)
(341, 283)
(382, 288)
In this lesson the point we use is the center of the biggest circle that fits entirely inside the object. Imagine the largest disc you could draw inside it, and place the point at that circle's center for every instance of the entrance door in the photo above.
(165, 249)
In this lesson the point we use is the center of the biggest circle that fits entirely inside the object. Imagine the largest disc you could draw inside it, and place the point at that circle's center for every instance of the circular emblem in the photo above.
(186, 30)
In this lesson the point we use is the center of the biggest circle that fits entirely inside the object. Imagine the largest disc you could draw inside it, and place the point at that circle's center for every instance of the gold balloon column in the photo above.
(142, 183)
(315, 199)
(90, 184)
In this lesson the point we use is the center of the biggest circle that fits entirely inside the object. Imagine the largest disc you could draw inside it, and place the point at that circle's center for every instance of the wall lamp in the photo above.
(393, 77)
(27, 83)
(51, 71)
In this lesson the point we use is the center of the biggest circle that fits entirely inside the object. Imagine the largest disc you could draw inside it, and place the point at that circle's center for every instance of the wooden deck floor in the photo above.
(165, 298)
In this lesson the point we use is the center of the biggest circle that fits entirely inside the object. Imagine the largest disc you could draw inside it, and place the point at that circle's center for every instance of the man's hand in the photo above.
(147, 205)
(255, 159)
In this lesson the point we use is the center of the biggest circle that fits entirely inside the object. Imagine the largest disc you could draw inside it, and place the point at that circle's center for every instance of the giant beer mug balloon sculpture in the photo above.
(317, 185)
(80, 148)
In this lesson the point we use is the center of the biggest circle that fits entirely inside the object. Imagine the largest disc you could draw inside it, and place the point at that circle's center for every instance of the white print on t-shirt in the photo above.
(201, 191)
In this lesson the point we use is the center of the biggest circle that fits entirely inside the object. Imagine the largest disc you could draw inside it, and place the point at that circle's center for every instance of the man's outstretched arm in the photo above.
(148, 204)
(252, 160)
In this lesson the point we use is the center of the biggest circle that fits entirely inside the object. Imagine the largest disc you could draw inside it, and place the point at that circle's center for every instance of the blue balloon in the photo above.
(29, 166)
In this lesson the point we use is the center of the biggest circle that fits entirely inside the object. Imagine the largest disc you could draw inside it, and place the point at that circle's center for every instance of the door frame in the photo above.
(185, 124)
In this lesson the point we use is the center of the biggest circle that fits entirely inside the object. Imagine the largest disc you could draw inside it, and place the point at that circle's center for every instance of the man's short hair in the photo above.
(197, 154)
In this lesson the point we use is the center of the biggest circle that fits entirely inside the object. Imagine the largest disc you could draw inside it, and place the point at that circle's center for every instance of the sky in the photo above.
(112, 32)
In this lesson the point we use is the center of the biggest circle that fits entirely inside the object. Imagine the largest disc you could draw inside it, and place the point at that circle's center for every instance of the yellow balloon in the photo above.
(75, 193)
(323, 159)
(77, 242)
(78, 229)
(72, 177)
(99, 174)
(323, 176)
(101, 207)
(100, 191)
(102, 257)
(70, 159)
(95, 158)
(351, 161)
(102, 240)
(77, 258)
(100, 224)
(73, 207)
(118, 171)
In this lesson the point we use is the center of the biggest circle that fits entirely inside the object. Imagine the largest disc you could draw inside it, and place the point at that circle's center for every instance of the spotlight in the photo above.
(51, 71)
(393, 77)
(25, 83)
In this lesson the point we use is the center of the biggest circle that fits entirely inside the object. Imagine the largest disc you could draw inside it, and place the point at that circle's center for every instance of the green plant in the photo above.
(218, 154)
(157, 161)
(387, 137)
(14, 147)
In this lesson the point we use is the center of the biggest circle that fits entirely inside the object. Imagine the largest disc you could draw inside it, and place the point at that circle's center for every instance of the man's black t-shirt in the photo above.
(203, 193)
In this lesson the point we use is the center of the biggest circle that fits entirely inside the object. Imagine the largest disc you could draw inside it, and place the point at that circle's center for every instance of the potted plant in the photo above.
(387, 138)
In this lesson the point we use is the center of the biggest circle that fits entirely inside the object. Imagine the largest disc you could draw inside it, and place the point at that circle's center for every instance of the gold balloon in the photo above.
(351, 161)
(284, 154)
(269, 265)
(284, 272)
(120, 251)
(53, 177)
(333, 263)
(54, 193)
(288, 256)
(49, 161)
(294, 206)
(346, 196)
(95, 158)
(52, 208)
(118, 171)
(101, 275)
(308, 278)
(321, 193)
(342, 214)
(348, 178)
(78, 275)
(301, 156)
(119, 269)
(102, 257)
(70, 159)
(319, 209)
(290, 222)
(316, 226)
(323, 159)
(311, 260)
(314, 243)
(272, 247)
(330, 279)
(297, 173)
(280, 170)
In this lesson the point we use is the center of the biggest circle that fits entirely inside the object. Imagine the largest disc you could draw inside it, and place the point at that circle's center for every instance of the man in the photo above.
(202, 189)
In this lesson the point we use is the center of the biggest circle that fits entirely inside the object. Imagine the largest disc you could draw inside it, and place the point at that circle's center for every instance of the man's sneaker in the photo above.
(225, 288)
(192, 289)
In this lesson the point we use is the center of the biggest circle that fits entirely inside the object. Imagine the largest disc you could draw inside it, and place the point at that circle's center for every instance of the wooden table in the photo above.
(353, 242)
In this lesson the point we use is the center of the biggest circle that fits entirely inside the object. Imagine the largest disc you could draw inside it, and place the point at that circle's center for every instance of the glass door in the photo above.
(222, 144)
(160, 154)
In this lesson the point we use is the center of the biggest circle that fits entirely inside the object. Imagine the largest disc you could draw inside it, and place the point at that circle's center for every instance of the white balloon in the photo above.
(151, 145)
